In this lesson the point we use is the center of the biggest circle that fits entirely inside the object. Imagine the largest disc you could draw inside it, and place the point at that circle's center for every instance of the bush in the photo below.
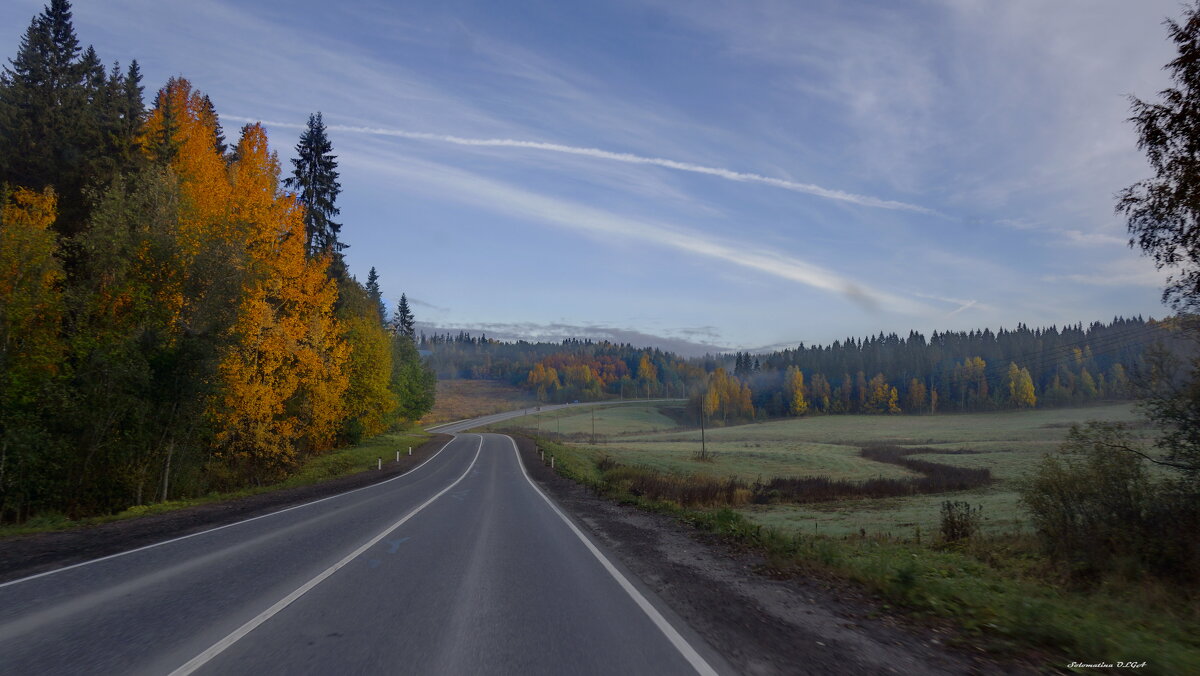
(1096, 509)
(959, 520)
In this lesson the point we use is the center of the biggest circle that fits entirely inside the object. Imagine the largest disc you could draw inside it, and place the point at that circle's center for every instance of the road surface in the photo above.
(461, 566)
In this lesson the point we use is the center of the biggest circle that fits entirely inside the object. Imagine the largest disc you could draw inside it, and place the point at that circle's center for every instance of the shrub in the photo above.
(1095, 507)
(959, 520)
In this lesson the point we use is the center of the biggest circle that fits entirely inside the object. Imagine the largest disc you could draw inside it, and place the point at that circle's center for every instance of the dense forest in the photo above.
(885, 374)
(953, 371)
(176, 315)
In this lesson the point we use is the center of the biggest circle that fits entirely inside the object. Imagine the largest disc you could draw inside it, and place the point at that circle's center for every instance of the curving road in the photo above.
(461, 566)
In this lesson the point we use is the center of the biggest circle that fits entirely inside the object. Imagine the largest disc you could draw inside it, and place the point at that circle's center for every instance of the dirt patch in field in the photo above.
(760, 624)
(25, 555)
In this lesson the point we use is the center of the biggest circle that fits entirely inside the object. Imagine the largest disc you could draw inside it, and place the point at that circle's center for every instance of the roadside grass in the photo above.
(899, 518)
(997, 586)
(462, 399)
(340, 462)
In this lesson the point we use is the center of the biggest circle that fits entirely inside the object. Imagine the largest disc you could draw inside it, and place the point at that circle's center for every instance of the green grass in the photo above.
(898, 518)
(610, 420)
(1009, 443)
(340, 462)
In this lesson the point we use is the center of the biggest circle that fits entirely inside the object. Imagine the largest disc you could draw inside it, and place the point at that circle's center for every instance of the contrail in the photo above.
(629, 158)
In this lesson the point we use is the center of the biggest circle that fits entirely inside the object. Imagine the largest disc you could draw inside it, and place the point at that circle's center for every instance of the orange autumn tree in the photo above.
(182, 132)
(284, 375)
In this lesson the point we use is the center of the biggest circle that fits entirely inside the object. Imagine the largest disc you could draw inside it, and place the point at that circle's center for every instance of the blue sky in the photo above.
(737, 174)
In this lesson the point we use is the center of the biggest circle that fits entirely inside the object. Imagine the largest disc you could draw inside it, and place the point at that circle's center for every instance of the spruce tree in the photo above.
(376, 294)
(53, 103)
(403, 323)
(38, 92)
(315, 181)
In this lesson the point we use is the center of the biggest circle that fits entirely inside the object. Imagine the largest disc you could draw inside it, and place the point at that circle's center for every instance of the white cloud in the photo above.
(463, 186)
(629, 158)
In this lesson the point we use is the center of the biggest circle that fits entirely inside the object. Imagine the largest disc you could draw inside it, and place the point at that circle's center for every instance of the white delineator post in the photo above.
(552, 462)
(380, 461)
(410, 450)
(397, 455)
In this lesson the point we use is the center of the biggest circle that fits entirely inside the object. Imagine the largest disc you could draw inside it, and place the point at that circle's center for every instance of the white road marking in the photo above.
(228, 525)
(689, 653)
(220, 646)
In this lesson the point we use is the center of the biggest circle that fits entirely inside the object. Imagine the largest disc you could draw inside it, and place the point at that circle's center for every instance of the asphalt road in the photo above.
(461, 566)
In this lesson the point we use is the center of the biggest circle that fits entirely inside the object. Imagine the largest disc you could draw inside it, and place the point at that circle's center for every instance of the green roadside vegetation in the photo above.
(998, 585)
(338, 463)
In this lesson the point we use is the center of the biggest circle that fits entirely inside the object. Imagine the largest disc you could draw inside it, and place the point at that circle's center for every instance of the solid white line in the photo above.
(228, 525)
(220, 646)
(689, 653)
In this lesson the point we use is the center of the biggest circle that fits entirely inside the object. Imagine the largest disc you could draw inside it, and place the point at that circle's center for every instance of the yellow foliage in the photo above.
(794, 386)
(284, 378)
(31, 307)
(728, 397)
(646, 370)
(369, 400)
(882, 398)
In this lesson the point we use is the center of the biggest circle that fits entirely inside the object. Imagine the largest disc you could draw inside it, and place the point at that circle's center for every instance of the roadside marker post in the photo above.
(410, 450)
(552, 462)
(380, 463)
(397, 455)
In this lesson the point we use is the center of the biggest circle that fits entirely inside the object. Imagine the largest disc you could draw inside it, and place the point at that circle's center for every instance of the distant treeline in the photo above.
(566, 371)
(172, 321)
(951, 371)
(885, 374)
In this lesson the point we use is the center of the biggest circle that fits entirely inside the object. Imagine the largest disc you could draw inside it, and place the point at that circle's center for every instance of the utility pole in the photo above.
(703, 445)
(593, 425)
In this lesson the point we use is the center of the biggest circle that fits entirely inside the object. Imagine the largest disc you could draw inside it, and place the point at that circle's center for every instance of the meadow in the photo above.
(1008, 443)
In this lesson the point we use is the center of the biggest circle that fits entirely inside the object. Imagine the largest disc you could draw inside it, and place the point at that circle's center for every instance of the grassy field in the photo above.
(460, 399)
(611, 420)
(1008, 443)
(998, 588)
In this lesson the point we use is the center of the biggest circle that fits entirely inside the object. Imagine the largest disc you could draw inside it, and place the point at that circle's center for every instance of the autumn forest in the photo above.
(176, 316)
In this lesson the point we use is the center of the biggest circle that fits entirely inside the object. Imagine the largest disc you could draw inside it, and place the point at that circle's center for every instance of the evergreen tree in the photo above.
(403, 323)
(44, 112)
(315, 179)
(376, 295)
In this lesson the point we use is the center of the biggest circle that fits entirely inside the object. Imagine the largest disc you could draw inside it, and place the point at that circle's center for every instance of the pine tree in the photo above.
(403, 323)
(315, 180)
(376, 294)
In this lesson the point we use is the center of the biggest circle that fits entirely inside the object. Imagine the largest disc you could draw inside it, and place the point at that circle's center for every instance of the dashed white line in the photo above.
(222, 645)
